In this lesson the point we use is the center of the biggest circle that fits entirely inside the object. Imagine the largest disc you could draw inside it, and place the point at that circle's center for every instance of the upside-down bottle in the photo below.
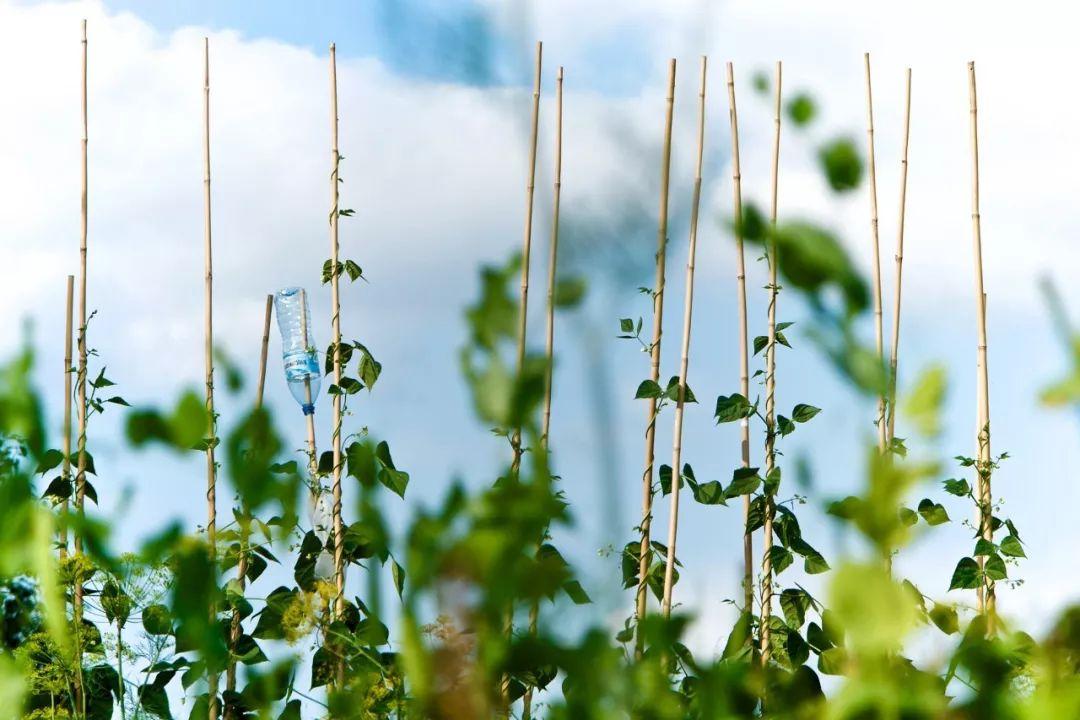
(298, 353)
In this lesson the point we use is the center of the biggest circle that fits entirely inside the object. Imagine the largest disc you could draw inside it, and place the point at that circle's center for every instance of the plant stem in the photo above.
(744, 353)
(80, 475)
(987, 604)
(684, 363)
(654, 374)
(899, 259)
(770, 389)
(549, 353)
(211, 430)
(120, 668)
(879, 332)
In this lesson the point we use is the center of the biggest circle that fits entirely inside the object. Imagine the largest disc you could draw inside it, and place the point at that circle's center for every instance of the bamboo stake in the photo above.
(530, 191)
(658, 321)
(899, 259)
(744, 353)
(688, 306)
(553, 257)
(335, 302)
(66, 467)
(878, 315)
(208, 352)
(984, 466)
(770, 389)
(80, 475)
(549, 352)
(313, 458)
(242, 562)
(265, 348)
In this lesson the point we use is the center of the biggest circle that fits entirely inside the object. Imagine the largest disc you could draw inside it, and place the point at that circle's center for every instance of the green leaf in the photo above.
(353, 270)
(744, 481)
(959, 488)
(569, 292)
(738, 642)
(933, 513)
(785, 426)
(815, 563)
(797, 649)
(649, 389)
(626, 325)
(945, 617)
(801, 109)
(730, 408)
(908, 517)
(576, 593)
(760, 342)
(965, 576)
(49, 460)
(984, 547)
(842, 164)
(794, 602)
(781, 558)
(803, 413)
(1011, 546)
(398, 574)
(994, 568)
(157, 620)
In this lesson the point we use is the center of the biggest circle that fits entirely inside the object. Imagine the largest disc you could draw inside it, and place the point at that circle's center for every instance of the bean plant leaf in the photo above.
(804, 413)
(966, 575)
(649, 389)
(1011, 547)
(933, 513)
(959, 488)
(945, 617)
(995, 568)
(730, 408)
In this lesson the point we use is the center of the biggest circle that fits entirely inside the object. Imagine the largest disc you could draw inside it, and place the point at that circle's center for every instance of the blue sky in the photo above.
(433, 117)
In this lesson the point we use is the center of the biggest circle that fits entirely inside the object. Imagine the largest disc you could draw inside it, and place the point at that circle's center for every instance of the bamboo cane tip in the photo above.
(559, 76)
(333, 48)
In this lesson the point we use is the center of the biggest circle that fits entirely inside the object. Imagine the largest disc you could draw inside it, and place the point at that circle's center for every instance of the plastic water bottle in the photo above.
(298, 352)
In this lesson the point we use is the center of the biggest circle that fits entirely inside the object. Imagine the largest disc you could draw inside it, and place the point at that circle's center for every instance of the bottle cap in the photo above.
(309, 408)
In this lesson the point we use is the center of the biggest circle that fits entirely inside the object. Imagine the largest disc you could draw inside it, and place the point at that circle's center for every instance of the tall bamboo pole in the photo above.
(770, 388)
(526, 246)
(879, 332)
(553, 258)
(208, 353)
(654, 374)
(744, 352)
(526, 251)
(984, 465)
(899, 258)
(335, 303)
(66, 465)
(549, 350)
(242, 562)
(684, 363)
(80, 474)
